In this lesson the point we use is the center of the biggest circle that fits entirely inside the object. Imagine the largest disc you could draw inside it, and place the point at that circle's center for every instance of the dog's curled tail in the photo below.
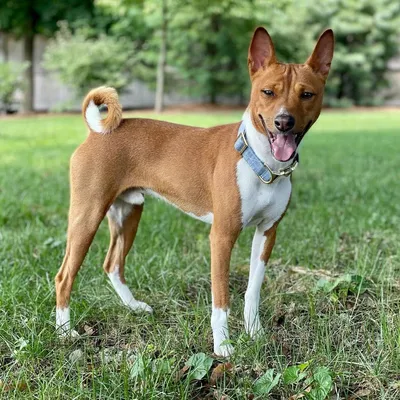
(91, 113)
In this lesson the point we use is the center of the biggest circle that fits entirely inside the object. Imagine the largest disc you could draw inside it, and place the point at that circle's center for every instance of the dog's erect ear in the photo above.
(321, 58)
(261, 51)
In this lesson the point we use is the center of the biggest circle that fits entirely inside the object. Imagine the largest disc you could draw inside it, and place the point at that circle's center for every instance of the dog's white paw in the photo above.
(65, 334)
(140, 306)
(254, 328)
(224, 350)
(257, 333)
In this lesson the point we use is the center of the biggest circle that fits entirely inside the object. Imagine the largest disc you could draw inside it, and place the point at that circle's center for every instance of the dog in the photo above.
(230, 176)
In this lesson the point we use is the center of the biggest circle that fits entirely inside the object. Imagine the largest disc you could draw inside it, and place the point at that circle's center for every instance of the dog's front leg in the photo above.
(222, 241)
(263, 243)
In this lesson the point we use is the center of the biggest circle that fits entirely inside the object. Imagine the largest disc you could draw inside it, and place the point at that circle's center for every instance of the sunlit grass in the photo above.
(344, 218)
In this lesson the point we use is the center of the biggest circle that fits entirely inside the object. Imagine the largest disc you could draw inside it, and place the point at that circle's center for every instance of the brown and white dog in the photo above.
(198, 170)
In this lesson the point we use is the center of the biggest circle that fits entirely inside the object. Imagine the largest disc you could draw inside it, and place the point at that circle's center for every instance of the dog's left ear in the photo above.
(321, 58)
(261, 50)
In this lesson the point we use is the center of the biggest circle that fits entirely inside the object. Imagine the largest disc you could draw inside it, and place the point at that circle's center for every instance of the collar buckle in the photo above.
(245, 144)
(286, 171)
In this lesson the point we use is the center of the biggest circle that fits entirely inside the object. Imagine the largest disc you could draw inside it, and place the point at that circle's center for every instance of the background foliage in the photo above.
(10, 80)
(207, 42)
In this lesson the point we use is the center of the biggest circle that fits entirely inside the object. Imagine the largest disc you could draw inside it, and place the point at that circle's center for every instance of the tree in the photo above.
(84, 60)
(159, 102)
(208, 42)
(10, 81)
(367, 35)
(26, 18)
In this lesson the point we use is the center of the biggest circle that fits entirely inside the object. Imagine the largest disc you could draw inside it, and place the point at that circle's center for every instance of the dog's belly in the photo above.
(261, 203)
(208, 217)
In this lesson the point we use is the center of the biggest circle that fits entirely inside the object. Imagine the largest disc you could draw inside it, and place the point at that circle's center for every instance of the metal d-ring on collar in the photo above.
(262, 170)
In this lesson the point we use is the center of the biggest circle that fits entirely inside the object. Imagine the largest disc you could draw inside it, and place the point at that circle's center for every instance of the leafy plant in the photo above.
(144, 365)
(320, 383)
(267, 382)
(10, 81)
(295, 373)
(199, 365)
(83, 62)
(345, 284)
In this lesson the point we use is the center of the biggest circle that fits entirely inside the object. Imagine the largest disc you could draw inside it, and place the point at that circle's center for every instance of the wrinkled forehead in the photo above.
(285, 76)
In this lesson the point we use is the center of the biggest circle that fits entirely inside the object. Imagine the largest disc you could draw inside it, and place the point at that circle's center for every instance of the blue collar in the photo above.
(262, 170)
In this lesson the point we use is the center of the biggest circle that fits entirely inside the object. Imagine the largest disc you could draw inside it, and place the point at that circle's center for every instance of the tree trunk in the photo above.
(27, 105)
(5, 46)
(212, 53)
(159, 103)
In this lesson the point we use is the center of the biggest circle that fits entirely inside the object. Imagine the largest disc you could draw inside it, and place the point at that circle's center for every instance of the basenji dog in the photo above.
(230, 176)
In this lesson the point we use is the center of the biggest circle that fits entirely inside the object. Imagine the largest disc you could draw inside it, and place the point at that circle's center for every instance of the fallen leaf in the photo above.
(218, 396)
(88, 330)
(296, 396)
(182, 372)
(313, 272)
(219, 371)
(20, 386)
(394, 385)
(75, 356)
(360, 393)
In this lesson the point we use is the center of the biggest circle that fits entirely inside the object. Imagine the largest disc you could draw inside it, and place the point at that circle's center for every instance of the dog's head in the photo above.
(286, 99)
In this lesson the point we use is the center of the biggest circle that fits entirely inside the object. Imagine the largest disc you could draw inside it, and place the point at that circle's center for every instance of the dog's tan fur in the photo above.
(163, 157)
(193, 168)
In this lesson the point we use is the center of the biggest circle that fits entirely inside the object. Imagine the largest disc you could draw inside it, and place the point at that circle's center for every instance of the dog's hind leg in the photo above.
(84, 219)
(123, 218)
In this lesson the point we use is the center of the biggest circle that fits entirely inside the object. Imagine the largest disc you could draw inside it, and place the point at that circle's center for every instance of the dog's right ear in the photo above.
(261, 51)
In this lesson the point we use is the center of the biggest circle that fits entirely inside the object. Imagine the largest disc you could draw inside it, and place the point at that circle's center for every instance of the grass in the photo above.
(343, 224)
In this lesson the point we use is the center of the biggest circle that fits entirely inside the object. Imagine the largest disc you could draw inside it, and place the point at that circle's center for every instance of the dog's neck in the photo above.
(261, 146)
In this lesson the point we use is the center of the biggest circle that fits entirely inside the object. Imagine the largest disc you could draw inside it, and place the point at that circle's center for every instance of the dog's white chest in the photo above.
(261, 203)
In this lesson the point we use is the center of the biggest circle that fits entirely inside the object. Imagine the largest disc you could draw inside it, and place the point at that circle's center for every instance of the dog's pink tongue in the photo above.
(283, 146)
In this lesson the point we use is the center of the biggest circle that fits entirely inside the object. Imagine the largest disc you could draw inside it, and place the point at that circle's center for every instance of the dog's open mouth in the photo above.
(283, 145)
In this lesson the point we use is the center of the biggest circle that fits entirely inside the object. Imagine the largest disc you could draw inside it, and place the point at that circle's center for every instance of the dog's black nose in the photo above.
(284, 122)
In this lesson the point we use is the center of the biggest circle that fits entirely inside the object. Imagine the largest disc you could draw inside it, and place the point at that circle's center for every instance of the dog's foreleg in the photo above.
(123, 219)
(263, 243)
(221, 247)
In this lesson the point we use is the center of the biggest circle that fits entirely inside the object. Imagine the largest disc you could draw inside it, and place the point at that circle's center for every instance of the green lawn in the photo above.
(331, 296)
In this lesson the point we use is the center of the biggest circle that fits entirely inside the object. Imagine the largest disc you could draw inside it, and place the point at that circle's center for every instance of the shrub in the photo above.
(10, 81)
(83, 61)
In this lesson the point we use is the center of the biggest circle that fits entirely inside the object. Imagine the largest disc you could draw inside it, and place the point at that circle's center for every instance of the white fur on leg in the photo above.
(219, 325)
(62, 323)
(251, 315)
(252, 298)
(125, 294)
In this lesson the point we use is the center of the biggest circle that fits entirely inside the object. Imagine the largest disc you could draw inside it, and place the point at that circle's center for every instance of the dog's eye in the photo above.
(307, 95)
(268, 92)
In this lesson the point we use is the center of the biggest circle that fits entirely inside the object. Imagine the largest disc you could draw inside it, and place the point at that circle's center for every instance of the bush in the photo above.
(83, 61)
(10, 81)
